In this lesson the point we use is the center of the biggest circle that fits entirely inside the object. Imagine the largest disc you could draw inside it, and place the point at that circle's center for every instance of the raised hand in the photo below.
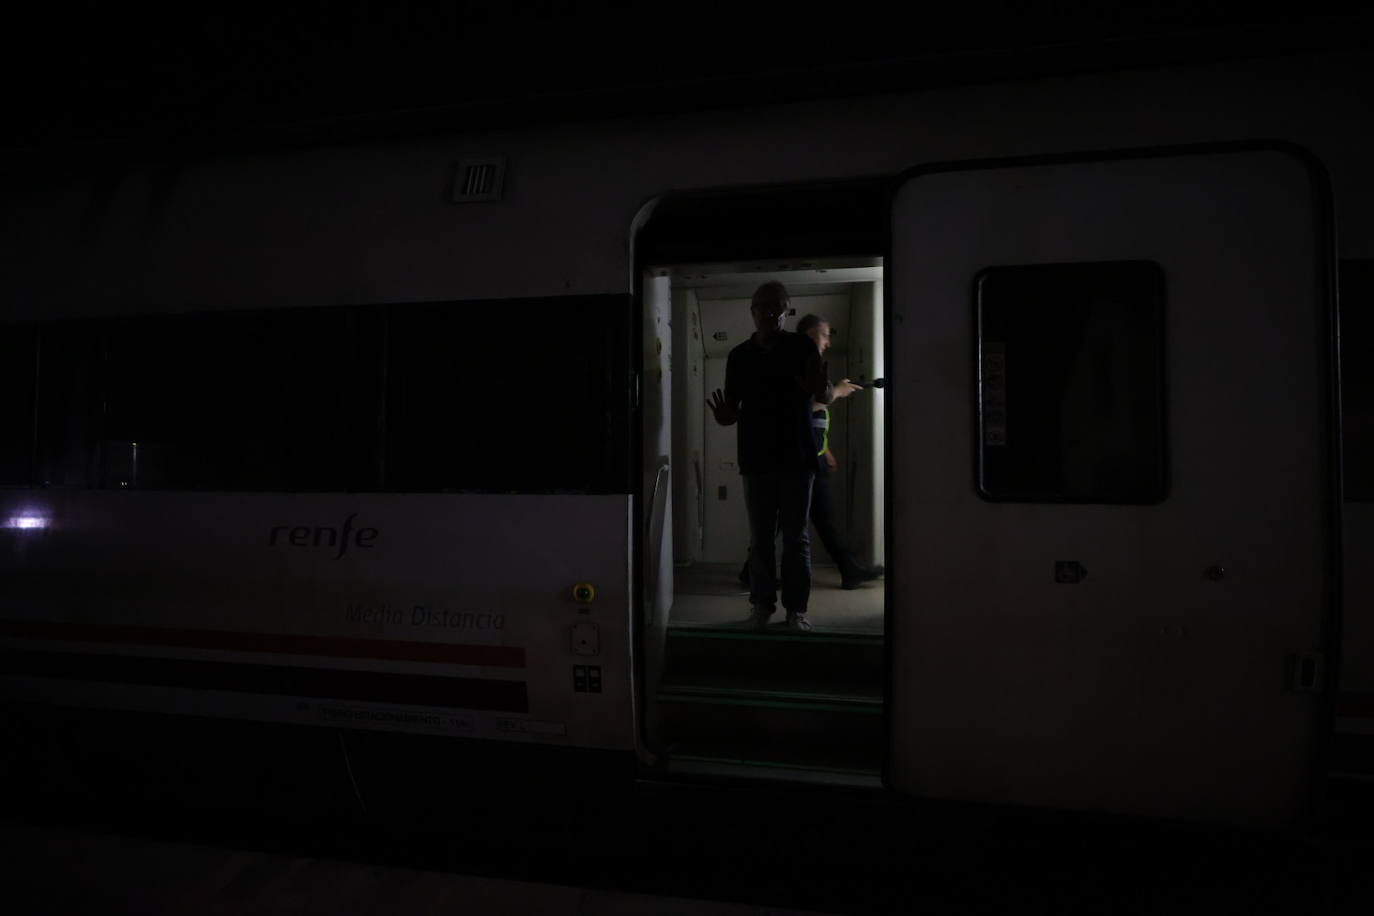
(724, 413)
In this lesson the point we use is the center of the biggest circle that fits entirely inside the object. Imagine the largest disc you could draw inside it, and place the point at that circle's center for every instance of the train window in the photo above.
(69, 403)
(1357, 378)
(18, 365)
(369, 398)
(283, 400)
(520, 396)
(1070, 383)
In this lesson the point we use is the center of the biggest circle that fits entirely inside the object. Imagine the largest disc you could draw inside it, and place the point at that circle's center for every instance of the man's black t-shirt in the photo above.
(774, 407)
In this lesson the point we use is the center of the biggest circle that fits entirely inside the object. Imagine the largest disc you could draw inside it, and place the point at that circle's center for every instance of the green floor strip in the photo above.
(764, 693)
(824, 638)
(775, 765)
(863, 710)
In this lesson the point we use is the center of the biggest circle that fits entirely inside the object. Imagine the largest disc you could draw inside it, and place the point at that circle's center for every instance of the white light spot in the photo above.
(26, 522)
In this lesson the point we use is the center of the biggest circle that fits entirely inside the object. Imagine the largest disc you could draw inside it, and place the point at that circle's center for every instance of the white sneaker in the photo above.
(798, 622)
(758, 617)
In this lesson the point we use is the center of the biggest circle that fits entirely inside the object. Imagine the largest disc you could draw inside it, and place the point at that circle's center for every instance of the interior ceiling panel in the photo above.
(726, 323)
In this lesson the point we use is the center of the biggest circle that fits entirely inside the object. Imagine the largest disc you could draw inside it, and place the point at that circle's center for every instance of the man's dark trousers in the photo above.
(779, 501)
(823, 517)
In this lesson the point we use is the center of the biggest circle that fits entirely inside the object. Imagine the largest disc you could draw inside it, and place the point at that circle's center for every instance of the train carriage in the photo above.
(373, 458)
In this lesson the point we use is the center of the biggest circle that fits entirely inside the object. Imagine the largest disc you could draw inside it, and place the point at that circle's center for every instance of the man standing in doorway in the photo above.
(771, 381)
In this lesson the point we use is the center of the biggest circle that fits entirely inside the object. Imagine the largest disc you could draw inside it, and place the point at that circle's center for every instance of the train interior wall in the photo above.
(710, 320)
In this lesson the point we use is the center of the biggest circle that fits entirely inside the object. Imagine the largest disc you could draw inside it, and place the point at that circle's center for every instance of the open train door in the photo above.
(1114, 506)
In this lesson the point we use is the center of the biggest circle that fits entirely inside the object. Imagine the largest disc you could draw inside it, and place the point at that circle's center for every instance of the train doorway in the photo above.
(720, 698)
(730, 697)
(708, 315)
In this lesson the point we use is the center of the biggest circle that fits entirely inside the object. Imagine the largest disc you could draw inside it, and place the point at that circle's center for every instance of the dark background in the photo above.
(212, 76)
(214, 73)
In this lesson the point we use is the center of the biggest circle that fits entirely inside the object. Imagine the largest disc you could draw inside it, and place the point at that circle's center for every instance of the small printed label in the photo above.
(587, 678)
(1069, 572)
(507, 726)
(381, 716)
(375, 615)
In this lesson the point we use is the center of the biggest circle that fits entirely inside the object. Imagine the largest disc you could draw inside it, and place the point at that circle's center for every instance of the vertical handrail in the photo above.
(653, 538)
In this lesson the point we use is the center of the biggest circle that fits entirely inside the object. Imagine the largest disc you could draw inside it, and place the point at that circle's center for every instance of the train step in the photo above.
(811, 729)
(834, 664)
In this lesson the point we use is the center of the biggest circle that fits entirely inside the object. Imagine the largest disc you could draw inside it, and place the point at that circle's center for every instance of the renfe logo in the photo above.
(323, 536)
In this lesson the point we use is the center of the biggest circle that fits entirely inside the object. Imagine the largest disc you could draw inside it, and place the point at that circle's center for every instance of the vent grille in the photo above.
(479, 179)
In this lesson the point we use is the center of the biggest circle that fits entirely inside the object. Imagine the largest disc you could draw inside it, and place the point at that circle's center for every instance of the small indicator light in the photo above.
(584, 591)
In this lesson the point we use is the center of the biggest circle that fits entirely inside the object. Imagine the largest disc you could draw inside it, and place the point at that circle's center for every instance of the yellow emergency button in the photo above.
(584, 591)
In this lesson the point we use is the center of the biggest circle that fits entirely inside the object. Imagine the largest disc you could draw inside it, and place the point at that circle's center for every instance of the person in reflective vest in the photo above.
(853, 574)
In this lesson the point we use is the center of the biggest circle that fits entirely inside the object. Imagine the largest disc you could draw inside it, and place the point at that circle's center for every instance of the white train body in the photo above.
(450, 607)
